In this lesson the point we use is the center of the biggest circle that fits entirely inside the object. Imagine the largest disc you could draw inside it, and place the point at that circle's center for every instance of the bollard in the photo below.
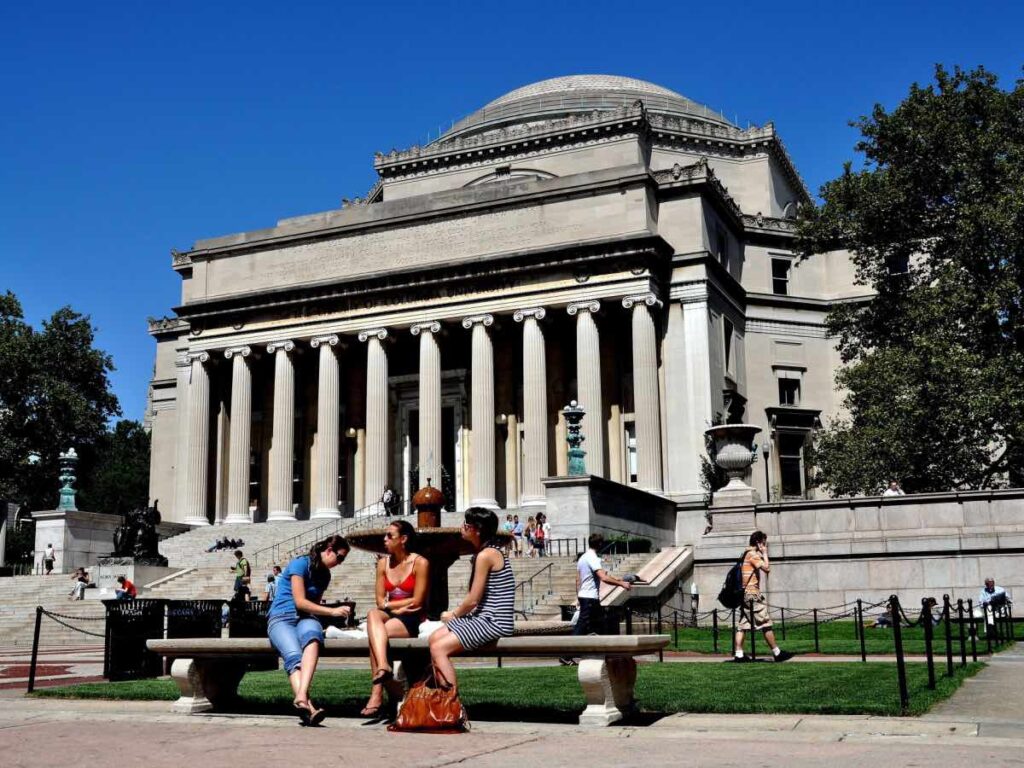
(629, 620)
(860, 623)
(817, 645)
(714, 630)
(858, 619)
(675, 628)
(1009, 621)
(929, 635)
(783, 623)
(753, 633)
(988, 633)
(35, 650)
(973, 630)
(949, 635)
(901, 664)
(963, 639)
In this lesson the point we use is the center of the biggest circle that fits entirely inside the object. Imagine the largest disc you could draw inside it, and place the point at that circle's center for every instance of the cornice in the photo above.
(159, 326)
(768, 225)
(679, 176)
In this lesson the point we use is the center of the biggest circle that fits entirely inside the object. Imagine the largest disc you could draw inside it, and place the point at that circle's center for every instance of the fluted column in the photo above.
(646, 400)
(376, 414)
(481, 477)
(325, 489)
(184, 371)
(535, 406)
(196, 474)
(282, 440)
(430, 403)
(241, 435)
(588, 383)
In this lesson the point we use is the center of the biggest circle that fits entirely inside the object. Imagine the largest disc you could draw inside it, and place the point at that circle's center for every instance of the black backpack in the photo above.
(731, 595)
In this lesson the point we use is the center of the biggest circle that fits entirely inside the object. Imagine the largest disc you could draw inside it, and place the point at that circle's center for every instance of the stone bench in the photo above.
(208, 671)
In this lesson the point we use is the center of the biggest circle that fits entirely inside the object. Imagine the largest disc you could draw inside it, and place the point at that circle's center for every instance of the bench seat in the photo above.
(208, 671)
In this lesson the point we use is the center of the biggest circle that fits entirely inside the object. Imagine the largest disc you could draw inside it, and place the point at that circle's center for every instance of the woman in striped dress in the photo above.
(487, 612)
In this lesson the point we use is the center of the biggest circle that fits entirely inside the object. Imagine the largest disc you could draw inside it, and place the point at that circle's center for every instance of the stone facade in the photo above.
(592, 238)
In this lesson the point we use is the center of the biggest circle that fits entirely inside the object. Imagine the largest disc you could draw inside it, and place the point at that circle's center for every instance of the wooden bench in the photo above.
(208, 671)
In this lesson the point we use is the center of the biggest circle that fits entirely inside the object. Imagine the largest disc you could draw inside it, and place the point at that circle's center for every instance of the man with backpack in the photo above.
(753, 608)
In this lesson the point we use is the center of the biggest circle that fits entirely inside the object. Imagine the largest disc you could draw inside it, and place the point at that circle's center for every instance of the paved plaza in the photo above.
(982, 723)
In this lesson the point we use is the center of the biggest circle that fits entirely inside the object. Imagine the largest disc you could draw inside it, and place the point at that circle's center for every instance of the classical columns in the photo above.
(282, 441)
(430, 403)
(481, 483)
(535, 406)
(376, 414)
(198, 439)
(241, 435)
(588, 383)
(646, 407)
(325, 488)
(184, 371)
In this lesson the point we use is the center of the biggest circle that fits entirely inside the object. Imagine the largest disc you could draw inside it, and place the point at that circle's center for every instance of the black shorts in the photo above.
(410, 620)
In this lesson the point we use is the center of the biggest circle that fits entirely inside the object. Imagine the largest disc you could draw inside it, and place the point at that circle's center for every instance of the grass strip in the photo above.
(552, 694)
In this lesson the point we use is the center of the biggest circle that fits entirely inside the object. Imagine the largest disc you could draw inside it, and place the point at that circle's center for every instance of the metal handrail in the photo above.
(527, 586)
(340, 525)
(628, 535)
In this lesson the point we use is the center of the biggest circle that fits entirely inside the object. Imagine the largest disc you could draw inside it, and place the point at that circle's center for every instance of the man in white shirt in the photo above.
(590, 573)
(893, 489)
(49, 557)
(991, 599)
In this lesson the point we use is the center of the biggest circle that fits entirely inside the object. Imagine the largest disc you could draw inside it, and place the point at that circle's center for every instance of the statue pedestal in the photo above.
(79, 538)
(138, 570)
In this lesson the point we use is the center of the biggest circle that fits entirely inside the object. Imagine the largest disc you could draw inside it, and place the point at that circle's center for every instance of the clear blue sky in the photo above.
(131, 128)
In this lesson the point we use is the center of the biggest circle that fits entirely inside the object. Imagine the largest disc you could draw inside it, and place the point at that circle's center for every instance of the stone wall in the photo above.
(832, 551)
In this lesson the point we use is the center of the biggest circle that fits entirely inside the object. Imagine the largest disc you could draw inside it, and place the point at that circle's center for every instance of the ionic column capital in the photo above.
(286, 346)
(431, 326)
(592, 306)
(537, 313)
(486, 320)
(648, 299)
(330, 339)
(241, 351)
(378, 333)
(202, 357)
(183, 361)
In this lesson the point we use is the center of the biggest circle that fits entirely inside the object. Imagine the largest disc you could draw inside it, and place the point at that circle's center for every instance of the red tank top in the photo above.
(400, 591)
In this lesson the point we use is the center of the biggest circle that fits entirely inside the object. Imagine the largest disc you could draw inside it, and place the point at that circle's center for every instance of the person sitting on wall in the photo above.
(125, 589)
(401, 592)
(894, 489)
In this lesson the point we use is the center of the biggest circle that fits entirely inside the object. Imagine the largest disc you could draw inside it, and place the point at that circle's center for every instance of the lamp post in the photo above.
(573, 416)
(766, 451)
(68, 461)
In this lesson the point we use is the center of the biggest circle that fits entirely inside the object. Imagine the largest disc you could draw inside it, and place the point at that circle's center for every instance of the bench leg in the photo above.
(205, 684)
(608, 684)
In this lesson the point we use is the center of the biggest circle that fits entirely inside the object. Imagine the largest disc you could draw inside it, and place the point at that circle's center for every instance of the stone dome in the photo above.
(561, 96)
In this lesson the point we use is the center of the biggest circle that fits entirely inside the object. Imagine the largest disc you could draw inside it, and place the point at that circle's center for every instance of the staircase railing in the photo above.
(288, 547)
(527, 594)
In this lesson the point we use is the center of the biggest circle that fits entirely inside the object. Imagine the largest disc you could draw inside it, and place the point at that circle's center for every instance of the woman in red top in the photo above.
(402, 581)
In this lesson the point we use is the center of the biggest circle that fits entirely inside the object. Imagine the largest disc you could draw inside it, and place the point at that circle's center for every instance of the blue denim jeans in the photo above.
(290, 636)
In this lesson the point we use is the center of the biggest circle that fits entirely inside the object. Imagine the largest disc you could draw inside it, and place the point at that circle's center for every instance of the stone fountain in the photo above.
(441, 546)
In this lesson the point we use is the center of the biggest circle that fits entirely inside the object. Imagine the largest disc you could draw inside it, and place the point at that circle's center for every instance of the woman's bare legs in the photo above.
(380, 628)
(310, 656)
(444, 644)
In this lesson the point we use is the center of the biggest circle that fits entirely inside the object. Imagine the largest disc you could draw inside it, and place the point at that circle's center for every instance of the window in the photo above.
(727, 333)
(780, 276)
(791, 463)
(789, 392)
(629, 428)
(722, 246)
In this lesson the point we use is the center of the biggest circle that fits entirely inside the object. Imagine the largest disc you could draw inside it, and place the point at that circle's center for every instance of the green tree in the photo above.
(934, 374)
(54, 393)
(120, 480)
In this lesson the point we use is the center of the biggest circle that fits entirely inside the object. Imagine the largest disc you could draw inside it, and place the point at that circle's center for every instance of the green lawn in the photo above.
(837, 637)
(552, 694)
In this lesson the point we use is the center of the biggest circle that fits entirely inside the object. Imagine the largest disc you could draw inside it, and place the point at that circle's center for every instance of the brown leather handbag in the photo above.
(432, 706)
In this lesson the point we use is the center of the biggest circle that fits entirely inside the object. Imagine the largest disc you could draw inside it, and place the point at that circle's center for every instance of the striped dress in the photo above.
(494, 617)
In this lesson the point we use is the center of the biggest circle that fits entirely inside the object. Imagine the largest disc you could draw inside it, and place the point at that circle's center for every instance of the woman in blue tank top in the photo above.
(292, 627)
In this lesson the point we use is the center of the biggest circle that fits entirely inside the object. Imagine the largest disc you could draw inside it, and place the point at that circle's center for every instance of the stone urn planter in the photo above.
(734, 454)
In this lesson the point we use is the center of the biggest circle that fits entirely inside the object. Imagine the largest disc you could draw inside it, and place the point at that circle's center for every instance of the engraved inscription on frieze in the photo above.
(450, 240)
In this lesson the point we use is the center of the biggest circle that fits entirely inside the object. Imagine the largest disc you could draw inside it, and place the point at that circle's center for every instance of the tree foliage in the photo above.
(54, 394)
(934, 220)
